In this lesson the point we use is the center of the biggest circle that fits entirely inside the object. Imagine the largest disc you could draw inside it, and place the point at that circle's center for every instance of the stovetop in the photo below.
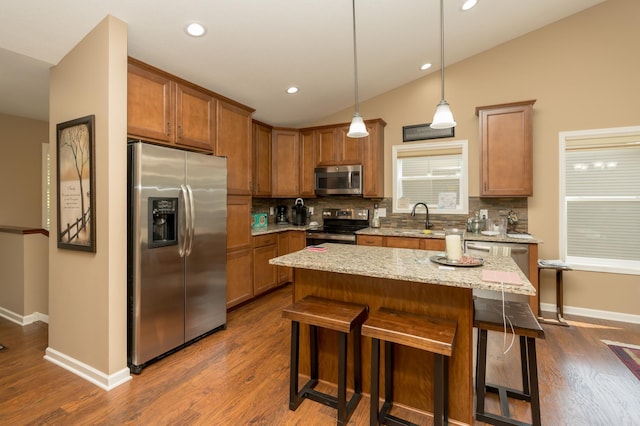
(343, 221)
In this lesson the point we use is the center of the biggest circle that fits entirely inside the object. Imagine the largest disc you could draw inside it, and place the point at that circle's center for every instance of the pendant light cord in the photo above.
(355, 52)
(442, 45)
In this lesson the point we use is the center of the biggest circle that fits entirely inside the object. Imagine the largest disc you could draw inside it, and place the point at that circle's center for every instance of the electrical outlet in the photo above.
(310, 211)
(272, 211)
(382, 212)
(484, 214)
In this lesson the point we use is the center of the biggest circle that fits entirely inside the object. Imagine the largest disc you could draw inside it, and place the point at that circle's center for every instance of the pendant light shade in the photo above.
(357, 129)
(443, 118)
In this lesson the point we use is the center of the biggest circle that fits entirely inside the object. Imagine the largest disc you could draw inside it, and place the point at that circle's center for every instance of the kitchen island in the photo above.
(405, 280)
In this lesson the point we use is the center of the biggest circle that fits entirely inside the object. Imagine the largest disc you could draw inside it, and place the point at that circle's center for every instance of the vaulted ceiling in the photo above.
(255, 49)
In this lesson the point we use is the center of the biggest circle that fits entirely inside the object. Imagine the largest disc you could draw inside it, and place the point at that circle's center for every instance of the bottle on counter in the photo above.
(375, 222)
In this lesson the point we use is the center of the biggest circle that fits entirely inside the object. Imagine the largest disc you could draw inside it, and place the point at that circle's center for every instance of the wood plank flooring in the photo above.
(240, 377)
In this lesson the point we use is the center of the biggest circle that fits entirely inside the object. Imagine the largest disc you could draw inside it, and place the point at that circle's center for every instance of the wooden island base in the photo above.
(413, 369)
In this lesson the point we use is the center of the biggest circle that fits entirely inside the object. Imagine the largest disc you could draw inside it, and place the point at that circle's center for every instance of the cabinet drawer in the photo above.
(369, 240)
(403, 242)
(265, 240)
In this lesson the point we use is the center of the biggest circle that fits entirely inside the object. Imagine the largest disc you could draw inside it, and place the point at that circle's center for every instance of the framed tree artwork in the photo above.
(76, 184)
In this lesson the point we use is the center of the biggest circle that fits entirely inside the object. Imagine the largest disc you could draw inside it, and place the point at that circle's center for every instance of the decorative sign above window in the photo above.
(420, 132)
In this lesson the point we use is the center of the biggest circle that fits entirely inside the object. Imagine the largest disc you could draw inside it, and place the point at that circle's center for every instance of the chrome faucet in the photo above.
(427, 225)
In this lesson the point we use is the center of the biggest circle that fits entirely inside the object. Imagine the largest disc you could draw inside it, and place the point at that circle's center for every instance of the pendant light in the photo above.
(357, 129)
(443, 118)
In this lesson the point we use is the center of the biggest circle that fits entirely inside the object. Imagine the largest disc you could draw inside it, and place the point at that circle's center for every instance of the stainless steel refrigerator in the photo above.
(177, 233)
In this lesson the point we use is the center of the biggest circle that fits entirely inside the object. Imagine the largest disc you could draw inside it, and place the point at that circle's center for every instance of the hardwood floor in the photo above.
(240, 377)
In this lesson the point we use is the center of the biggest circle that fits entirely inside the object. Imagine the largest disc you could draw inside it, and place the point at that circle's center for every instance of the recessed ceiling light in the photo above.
(425, 66)
(195, 29)
(468, 4)
(291, 90)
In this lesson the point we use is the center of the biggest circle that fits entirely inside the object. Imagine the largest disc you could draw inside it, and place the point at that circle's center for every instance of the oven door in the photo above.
(315, 238)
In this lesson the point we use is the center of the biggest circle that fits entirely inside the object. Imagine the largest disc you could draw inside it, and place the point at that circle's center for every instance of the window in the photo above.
(434, 173)
(600, 199)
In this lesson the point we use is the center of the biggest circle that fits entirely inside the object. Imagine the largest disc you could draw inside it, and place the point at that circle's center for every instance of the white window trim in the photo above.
(581, 263)
(464, 184)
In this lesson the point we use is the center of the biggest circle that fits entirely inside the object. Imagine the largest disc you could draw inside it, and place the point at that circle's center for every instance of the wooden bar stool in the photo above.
(559, 267)
(487, 315)
(345, 318)
(416, 331)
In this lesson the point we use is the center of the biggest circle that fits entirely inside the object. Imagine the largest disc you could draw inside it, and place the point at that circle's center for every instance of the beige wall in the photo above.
(11, 261)
(583, 71)
(21, 142)
(87, 304)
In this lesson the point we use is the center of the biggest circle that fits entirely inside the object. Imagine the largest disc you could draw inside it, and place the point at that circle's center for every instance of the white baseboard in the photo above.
(98, 378)
(23, 319)
(593, 313)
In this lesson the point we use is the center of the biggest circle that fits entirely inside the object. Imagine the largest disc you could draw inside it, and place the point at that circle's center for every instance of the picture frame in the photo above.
(420, 132)
(75, 180)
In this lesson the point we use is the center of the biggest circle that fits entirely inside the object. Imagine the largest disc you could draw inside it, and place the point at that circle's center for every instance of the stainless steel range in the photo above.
(339, 226)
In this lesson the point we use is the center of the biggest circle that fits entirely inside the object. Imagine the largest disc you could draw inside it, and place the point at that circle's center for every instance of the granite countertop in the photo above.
(404, 265)
(271, 229)
(469, 236)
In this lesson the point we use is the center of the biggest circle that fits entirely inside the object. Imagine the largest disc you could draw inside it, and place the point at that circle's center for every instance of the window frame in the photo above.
(463, 144)
(591, 264)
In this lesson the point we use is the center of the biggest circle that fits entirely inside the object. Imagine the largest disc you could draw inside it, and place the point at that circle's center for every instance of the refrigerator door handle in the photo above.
(191, 224)
(183, 233)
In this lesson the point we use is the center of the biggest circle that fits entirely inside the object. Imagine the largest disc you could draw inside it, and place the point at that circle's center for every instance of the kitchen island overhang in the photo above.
(405, 280)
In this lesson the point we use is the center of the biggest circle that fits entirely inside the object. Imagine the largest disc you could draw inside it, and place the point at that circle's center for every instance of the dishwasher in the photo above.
(519, 253)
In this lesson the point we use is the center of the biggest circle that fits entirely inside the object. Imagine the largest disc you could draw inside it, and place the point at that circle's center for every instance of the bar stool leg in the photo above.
(533, 376)
(294, 401)
(375, 382)
(439, 390)
(313, 351)
(342, 378)
(481, 365)
(388, 379)
(524, 367)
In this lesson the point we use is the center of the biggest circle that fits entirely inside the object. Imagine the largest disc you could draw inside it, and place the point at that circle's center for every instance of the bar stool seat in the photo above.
(345, 318)
(417, 331)
(559, 267)
(488, 315)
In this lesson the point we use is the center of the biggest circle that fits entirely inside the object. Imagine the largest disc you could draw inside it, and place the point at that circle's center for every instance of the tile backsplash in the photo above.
(496, 207)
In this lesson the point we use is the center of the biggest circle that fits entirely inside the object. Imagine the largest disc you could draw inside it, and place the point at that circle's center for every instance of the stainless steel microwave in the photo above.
(339, 180)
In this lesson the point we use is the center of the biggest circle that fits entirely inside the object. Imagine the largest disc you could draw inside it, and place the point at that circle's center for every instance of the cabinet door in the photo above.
(195, 118)
(507, 148)
(373, 160)
(285, 274)
(233, 140)
(238, 222)
(349, 150)
(239, 277)
(264, 274)
(325, 147)
(286, 166)
(150, 112)
(402, 242)
(434, 244)
(297, 240)
(261, 160)
(307, 164)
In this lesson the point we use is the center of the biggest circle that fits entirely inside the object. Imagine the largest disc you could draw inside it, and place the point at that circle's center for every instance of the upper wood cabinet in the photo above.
(261, 160)
(165, 109)
(506, 139)
(373, 159)
(307, 163)
(233, 140)
(285, 168)
(334, 147)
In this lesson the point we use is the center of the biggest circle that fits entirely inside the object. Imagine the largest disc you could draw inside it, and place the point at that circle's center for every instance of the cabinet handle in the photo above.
(180, 132)
(168, 129)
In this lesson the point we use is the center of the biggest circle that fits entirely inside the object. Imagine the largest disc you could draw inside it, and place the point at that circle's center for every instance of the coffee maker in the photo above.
(282, 215)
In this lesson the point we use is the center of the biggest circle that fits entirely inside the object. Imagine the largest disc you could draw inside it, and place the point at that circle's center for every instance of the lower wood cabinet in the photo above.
(435, 244)
(239, 277)
(265, 247)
